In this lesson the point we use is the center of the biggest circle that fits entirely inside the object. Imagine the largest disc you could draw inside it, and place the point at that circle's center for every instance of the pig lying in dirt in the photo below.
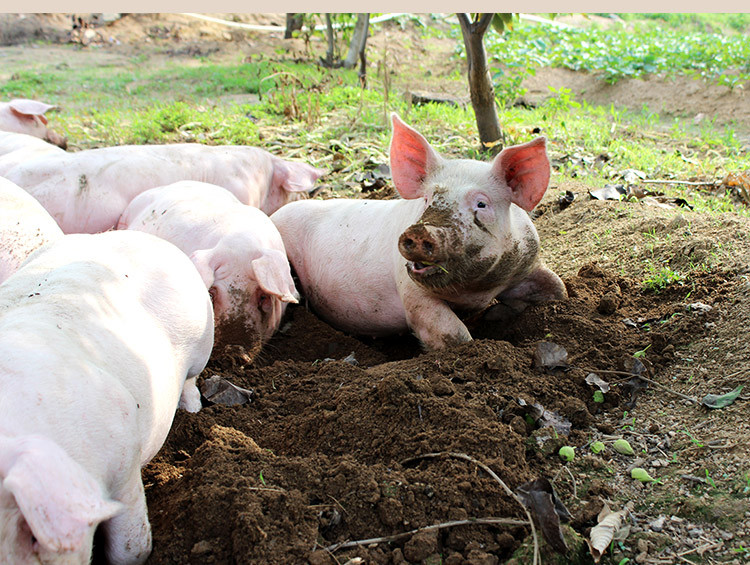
(27, 116)
(459, 238)
(24, 226)
(98, 334)
(86, 192)
(236, 249)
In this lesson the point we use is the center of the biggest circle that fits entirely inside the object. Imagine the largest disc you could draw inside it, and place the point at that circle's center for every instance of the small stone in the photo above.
(201, 547)
(695, 532)
(642, 545)
(658, 524)
(727, 536)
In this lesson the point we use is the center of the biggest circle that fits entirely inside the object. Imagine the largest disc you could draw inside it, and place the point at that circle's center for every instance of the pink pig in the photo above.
(24, 227)
(27, 116)
(101, 336)
(87, 191)
(459, 238)
(236, 249)
(16, 148)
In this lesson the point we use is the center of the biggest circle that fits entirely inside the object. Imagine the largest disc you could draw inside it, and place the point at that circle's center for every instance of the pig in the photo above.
(101, 338)
(24, 227)
(28, 116)
(87, 191)
(236, 248)
(459, 238)
(16, 148)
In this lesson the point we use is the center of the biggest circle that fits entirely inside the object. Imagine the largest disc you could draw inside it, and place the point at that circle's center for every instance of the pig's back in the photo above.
(345, 254)
(24, 226)
(107, 312)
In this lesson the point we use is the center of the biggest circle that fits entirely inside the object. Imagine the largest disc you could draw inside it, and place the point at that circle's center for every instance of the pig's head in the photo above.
(27, 116)
(249, 297)
(50, 506)
(290, 181)
(471, 235)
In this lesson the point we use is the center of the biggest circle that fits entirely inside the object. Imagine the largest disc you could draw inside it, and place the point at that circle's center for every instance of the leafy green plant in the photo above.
(661, 277)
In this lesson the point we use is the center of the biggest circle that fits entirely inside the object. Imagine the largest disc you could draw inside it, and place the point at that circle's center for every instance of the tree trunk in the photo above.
(328, 61)
(359, 41)
(480, 82)
(293, 23)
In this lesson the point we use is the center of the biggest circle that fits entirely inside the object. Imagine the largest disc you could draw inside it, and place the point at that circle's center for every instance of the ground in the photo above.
(325, 451)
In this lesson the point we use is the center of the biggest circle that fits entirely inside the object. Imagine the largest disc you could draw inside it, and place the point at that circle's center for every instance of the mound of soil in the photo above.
(320, 454)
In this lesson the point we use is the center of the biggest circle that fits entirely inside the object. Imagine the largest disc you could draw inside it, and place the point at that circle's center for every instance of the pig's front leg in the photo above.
(128, 534)
(190, 399)
(541, 285)
(431, 319)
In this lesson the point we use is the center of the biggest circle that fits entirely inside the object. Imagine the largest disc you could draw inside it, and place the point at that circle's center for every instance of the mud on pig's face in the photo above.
(466, 236)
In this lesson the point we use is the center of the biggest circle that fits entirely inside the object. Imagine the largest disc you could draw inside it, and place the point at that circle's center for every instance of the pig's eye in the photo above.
(213, 292)
(264, 302)
(481, 204)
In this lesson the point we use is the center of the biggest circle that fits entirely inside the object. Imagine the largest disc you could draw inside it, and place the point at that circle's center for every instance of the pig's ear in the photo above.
(60, 501)
(412, 159)
(203, 261)
(295, 177)
(28, 108)
(274, 277)
(525, 169)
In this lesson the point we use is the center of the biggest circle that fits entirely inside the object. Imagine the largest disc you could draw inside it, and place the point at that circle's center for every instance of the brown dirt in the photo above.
(319, 455)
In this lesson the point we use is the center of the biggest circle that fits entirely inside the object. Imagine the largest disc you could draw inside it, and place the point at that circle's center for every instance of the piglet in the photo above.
(28, 116)
(236, 249)
(101, 336)
(459, 237)
(87, 191)
(24, 227)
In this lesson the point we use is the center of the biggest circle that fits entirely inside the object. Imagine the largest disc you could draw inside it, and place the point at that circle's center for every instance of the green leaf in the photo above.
(720, 401)
(598, 396)
(642, 475)
(498, 23)
(623, 446)
(567, 453)
(598, 447)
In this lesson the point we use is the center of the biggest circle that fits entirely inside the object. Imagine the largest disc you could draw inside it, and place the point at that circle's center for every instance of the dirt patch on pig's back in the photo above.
(319, 456)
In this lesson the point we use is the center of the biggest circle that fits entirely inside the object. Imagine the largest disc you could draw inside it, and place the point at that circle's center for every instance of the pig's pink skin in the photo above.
(236, 248)
(87, 191)
(459, 238)
(101, 337)
(27, 116)
(24, 227)
(17, 148)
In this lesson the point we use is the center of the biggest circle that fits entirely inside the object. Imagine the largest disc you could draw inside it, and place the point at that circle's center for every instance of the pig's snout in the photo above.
(421, 243)
(56, 139)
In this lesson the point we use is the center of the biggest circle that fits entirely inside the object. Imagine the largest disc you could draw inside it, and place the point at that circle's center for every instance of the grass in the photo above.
(641, 48)
(323, 113)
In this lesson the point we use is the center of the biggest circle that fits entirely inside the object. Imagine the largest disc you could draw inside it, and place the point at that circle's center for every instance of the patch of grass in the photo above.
(660, 277)
(620, 52)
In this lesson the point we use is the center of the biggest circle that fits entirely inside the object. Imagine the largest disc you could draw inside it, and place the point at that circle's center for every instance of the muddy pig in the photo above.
(101, 338)
(27, 116)
(459, 237)
(24, 227)
(236, 248)
(87, 191)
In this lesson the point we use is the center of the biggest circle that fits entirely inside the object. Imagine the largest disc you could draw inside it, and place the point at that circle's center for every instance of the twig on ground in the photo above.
(686, 182)
(492, 474)
(651, 381)
(396, 537)
(572, 478)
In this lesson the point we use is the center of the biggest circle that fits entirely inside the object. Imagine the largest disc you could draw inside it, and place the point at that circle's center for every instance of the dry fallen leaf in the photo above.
(604, 532)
